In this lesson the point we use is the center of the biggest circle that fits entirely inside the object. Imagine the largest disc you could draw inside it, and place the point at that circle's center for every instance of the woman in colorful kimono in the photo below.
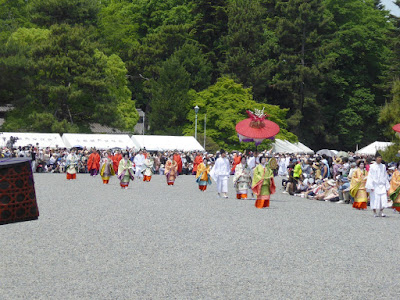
(171, 170)
(357, 186)
(263, 184)
(203, 175)
(242, 179)
(394, 191)
(148, 168)
(106, 167)
(71, 164)
(125, 171)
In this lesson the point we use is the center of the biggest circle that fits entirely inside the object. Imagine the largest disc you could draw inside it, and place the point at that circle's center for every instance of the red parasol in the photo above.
(256, 128)
(396, 127)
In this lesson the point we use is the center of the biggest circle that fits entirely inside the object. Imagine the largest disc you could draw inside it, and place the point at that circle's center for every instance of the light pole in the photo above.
(144, 115)
(196, 110)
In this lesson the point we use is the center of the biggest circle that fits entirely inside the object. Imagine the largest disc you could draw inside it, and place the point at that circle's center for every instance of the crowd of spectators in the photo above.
(323, 178)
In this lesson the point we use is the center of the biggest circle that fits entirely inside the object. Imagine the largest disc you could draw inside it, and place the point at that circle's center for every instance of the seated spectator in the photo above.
(344, 190)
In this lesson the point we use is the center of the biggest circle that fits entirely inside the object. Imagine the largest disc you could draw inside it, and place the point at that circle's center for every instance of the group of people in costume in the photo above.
(126, 168)
(336, 179)
(258, 180)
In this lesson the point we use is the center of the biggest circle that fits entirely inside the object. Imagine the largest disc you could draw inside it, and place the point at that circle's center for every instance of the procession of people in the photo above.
(360, 181)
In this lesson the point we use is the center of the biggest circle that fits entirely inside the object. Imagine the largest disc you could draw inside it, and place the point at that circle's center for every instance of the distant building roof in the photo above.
(98, 128)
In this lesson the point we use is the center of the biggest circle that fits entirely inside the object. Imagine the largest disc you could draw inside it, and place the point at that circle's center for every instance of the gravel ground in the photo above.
(153, 241)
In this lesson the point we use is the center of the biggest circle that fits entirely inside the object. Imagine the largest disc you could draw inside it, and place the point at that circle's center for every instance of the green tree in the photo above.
(225, 104)
(210, 25)
(361, 55)
(248, 45)
(119, 27)
(390, 112)
(300, 29)
(73, 12)
(196, 65)
(70, 79)
(169, 104)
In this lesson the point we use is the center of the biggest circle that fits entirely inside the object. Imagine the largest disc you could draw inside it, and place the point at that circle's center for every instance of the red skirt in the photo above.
(71, 176)
(360, 205)
(262, 201)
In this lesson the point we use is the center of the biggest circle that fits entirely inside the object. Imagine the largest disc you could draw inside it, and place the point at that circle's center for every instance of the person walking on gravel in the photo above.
(220, 173)
(378, 185)
(263, 184)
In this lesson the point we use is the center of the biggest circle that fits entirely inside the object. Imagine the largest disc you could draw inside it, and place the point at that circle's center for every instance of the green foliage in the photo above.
(119, 27)
(390, 113)
(169, 102)
(329, 64)
(390, 154)
(225, 104)
(74, 12)
(13, 14)
(71, 80)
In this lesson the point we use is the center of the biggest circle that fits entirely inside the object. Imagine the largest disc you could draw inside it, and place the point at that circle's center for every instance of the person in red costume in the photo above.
(237, 158)
(197, 160)
(93, 163)
(178, 160)
(116, 159)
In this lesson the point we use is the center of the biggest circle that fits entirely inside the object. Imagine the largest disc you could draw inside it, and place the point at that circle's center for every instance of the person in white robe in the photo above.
(282, 171)
(220, 173)
(378, 185)
(139, 163)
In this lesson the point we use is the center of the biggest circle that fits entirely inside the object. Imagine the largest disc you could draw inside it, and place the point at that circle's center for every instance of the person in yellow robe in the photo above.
(203, 175)
(125, 171)
(263, 184)
(357, 186)
(106, 167)
(394, 191)
(171, 170)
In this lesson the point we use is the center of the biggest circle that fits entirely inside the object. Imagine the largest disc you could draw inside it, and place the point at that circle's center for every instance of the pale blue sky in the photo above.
(394, 9)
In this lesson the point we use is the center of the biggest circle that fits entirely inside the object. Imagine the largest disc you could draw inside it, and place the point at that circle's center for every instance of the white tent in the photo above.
(44, 140)
(164, 143)
(305, 149)
(372, 148)
(283, 146)
(98, 141)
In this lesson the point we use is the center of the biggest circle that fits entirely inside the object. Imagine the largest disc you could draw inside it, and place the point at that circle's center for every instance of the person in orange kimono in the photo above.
(116, 159)
(178, 160)
(171, 170)
(237, 158)
(203, 177)
(394, 191)
(93, 164)
(197, 160)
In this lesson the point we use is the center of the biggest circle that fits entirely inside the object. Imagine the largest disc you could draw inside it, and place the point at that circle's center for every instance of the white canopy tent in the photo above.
(98, 141)
(283, 146)
(305, 149)
(372, 148)
(165, 143)
(44, 140)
